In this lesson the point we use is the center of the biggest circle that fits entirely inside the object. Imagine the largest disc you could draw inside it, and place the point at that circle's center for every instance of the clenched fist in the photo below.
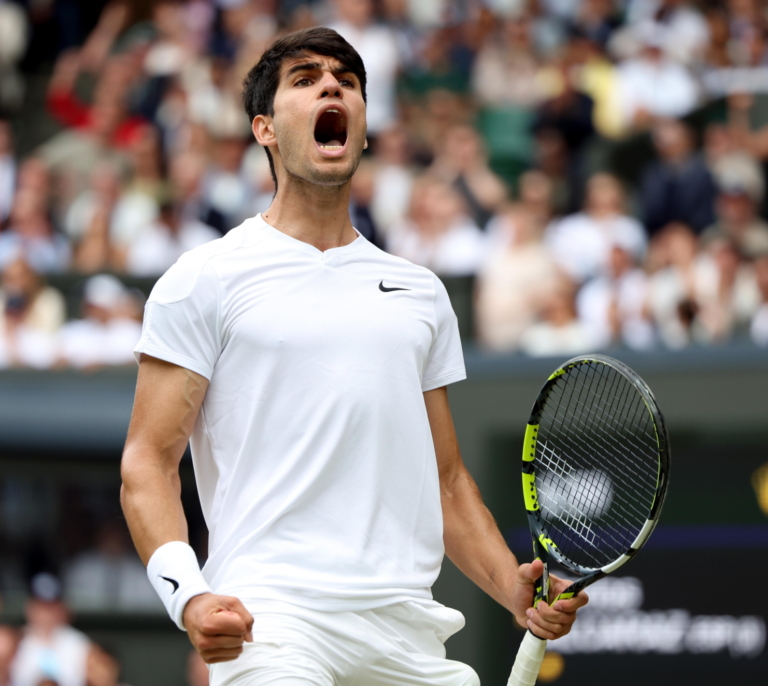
(545, 621)
(218, 626)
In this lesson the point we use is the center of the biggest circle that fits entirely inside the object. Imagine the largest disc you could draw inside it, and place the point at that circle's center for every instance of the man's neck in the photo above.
(318, 215)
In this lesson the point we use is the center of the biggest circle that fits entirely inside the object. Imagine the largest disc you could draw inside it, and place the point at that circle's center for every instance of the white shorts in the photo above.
(387, 646)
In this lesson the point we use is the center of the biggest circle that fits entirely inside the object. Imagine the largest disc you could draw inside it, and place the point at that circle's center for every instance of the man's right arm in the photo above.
(167, 402)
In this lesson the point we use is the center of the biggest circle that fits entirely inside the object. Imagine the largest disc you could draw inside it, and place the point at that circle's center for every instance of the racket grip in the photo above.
(530, 655)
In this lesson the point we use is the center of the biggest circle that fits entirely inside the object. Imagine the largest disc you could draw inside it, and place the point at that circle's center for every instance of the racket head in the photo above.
(595, 465)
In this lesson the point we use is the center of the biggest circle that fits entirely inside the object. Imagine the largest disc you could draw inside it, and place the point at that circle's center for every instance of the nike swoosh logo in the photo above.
(174, 583)
(383, 288)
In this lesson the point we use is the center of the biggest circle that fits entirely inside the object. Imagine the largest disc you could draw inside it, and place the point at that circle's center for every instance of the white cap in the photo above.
(46, 587)
(104, 290)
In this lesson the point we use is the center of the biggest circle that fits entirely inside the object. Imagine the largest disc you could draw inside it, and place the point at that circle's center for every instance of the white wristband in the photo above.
(174, 572)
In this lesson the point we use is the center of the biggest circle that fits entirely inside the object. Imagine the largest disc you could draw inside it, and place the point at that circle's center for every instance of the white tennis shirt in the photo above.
(313, 453)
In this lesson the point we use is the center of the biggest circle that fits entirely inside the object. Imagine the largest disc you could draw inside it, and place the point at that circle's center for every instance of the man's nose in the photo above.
(330, 87)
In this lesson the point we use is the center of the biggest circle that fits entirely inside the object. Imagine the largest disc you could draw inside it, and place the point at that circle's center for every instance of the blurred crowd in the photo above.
(66, 562)
(48, 651)
(596, 167)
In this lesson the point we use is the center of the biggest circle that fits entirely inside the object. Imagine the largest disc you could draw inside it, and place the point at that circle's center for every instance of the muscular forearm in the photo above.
(473, 541)
(151, 500)
(168, 400)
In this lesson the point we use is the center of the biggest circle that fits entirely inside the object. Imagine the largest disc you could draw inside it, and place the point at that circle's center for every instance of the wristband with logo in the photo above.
(175, 574)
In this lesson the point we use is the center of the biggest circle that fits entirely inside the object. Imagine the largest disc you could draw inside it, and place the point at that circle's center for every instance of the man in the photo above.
(309, 370)
(678, 186)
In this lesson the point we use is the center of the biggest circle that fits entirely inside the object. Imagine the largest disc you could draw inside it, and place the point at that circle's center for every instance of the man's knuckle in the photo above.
(209, 627)
(205, 644)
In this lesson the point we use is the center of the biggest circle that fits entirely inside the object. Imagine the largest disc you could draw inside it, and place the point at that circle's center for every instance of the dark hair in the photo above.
(261, 83)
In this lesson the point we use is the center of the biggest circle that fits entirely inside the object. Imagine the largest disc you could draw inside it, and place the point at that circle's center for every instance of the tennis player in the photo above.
(308, 369)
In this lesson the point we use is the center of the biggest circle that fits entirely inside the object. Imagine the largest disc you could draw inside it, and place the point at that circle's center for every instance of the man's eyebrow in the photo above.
(316, 66)
(303, 66)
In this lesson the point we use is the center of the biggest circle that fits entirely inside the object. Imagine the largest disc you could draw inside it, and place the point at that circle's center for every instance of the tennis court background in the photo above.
(703, 570)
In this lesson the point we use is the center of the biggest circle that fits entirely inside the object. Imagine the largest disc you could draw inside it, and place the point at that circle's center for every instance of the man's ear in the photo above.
(263, 129)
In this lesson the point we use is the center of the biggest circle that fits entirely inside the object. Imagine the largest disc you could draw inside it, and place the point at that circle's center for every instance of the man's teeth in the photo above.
(332, 145)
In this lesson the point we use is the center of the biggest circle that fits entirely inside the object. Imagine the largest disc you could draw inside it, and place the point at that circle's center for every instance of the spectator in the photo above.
(507, 71)
(737, 217)
(515, 279)
(89, 219)
(551, 154)
(244, 26)
(173, 46)
(596, 76)
(109, 577)
(9, 641)
(260, 188)
(109, 329)
(187, 171)
(28, 301)
(224, 188)
(13, 43)
(431, 120)
(106, 119)
(536, 192)
(570, 112)
(462, 162)
(438, 233)
(566, 122)
(147, 173)
(675, 287)
(443, 61)
(728, 301)
(7, 171)
(378, 47)
(559, 331)
(34, 176)
(105, 217)
(681, 29)
(30, 234)
(31, 316)
(596, 20)
(360, 202)
(393, 177)
(161, 243)
(581, 243)
(677, 187)
(759, 325)
(653, 85)
(100, 132)
(50, 648)
(612, 305)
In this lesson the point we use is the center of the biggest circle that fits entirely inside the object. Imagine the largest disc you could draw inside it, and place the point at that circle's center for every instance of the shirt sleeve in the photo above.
(445, 362)
(182, 317)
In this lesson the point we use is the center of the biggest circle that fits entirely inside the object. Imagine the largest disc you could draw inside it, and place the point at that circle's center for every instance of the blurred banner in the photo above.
(688, 605)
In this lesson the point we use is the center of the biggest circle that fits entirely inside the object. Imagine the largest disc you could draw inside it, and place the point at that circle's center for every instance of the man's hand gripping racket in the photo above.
(595, 474)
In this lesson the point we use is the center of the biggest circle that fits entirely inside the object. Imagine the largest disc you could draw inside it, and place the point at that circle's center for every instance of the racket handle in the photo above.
(530, 655)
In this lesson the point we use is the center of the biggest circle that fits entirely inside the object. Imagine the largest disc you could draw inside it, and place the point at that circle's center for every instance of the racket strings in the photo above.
(636, 431)
(596, 463)
(590, 485)
(606, 424)
(628, 476)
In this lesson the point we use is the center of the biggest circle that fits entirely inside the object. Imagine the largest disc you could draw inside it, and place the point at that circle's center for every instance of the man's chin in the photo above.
(335, 173)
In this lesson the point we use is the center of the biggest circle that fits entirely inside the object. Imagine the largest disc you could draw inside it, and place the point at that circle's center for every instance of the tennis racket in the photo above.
(595, 473)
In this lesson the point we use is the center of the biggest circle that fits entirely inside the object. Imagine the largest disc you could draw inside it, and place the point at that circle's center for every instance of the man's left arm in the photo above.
(474, 543)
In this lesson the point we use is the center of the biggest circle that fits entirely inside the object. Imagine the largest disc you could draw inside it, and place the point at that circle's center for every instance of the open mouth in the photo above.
(331, 129)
